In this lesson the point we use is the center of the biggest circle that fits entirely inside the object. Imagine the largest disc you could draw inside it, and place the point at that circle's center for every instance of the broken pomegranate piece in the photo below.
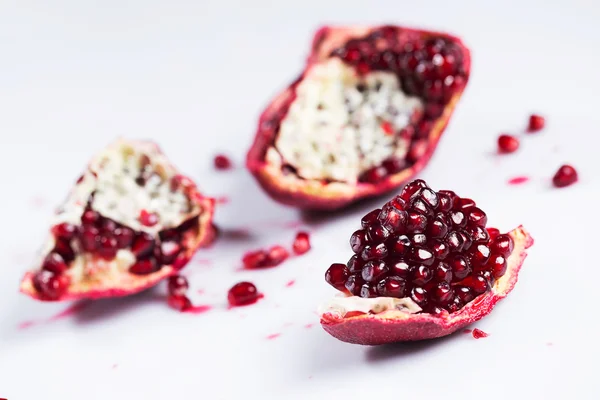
(424, 266)
(130, 221)
(364, 117)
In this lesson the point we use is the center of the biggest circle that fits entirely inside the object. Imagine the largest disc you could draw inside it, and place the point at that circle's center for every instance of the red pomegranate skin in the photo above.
(316, 194)
(369, 329)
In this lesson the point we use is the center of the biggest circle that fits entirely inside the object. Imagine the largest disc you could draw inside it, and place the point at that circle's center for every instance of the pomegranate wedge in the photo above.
(130, 221)
(424, 266)
(364, 117)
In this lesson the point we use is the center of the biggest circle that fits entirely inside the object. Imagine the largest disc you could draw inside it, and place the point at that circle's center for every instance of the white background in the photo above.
(194, 75)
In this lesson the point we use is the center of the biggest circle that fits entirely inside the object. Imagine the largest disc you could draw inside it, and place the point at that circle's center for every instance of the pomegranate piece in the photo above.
(565, 176)
(222, 162)
(386, 95)
(434, 280)
(243, 294)
(130, 221)
(507, 144)
(536, 123)
(301, 243)
(265, 258)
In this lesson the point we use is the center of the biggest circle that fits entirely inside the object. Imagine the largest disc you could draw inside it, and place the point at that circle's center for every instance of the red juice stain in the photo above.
(38, 202)
(201, 309)
(71, 310)
(518, 180)
(467, 330)
(288, 324)
(478, 334)
(222, 200)
(308, 326)
(549, 344)
(26, 324)
(203, 261)
(273, 336)
(290, 283)
(115, 366)
(200, 291)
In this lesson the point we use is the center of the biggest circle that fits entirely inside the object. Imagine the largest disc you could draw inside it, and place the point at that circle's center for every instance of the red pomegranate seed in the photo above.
(565, 176)
(478, 334)
(143, 267)
(147, 218)
(243, 294)
(536, 123)
(301, 243)
(507, 144)
(50, 285)
(178, 285)
(124, 237)
(64, 231)
(387, 128)
(337, 276)
(222, 162)
(169, 252)
(142, 245)
(53, 262)
(493, 232)
(108, 247)
(179, 303)
(90, 217)
(255, 259)
(276, 255)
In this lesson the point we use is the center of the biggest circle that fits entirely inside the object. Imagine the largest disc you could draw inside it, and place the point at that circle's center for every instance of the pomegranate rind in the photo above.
(291, 190)
(397, 326)
(126, 283)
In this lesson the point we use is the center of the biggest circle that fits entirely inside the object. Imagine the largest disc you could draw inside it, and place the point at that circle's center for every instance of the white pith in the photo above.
(342, 305)
(334, 131)
(111, 177)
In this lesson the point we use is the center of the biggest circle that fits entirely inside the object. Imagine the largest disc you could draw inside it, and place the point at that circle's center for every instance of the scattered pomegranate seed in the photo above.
(178, 285)
(243, 294)
(301, 243)
(180, 303)
(264, 259)
(565, 176)
(64, 231)
(478, 334)
(222, 162)
(147, 218)
(536, 123)
(277, 254)
(507, 144)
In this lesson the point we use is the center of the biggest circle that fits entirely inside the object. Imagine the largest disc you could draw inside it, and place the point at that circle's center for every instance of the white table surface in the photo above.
(194, 75)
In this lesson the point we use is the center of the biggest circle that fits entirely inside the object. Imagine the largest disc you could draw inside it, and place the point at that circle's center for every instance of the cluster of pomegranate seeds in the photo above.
(178, 286)
(430, 246)
(565, 176)
(243, 294)
(265, 258)
(301, 243)
(430, 68)
(507, 144)
(222, 162)
(536, 123)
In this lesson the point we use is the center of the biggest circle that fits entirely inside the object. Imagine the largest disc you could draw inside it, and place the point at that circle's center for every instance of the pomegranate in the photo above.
(507, 144)
(565, 176)
(424, 266)
(363, 118)
(130, 221)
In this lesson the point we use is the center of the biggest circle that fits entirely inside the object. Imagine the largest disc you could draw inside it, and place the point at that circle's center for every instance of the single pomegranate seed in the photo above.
(392, 286)
(90, 217)
(64, 249)
(301, 243)
(370, 218)
(108, 247)
(478, 334)
(565, 176)
(374, 252)
(507, 144)
(255, 259)
(242, 294)
(387, 128)
(64, 231)
(90, 238)
(354, 284)
(124, 237)
(144, 267)
(49, 285)
(373, 270)
(536, 123)
(276, 255)
(107, 226)
(53, 262)
(503, 245)
(337, 275)
(222, 162)
(169, 252)
(143, 245)
(358, 241)
(493, 232)
(147, 218)
(178, 285)
(179, 303)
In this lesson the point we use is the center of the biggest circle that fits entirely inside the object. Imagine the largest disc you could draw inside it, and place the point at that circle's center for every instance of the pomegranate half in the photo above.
(130, 221)
(424, 266)
(363, 118)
